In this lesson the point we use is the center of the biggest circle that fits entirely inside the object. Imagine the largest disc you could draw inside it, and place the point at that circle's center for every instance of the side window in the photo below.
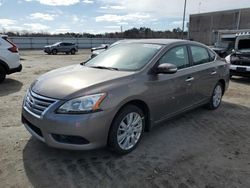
(177, 56)
(200, 55)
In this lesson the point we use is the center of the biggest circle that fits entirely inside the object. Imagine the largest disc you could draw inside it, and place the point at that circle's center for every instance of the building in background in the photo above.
(219, 27)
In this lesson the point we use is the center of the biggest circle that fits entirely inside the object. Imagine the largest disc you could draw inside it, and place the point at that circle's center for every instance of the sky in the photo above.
(100, 16)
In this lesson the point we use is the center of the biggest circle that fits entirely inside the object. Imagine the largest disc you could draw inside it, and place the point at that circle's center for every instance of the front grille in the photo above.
(240, 60)
(243, 63)
(37, 104)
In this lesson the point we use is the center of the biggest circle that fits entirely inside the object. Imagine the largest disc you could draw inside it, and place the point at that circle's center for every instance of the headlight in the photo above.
(86, 104)
(228, 59)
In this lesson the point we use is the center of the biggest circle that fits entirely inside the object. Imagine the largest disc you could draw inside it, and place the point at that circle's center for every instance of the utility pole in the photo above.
(238, 22)
(183, 21)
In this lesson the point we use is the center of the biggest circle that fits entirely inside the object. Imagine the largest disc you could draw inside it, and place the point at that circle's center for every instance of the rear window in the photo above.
(8, 40)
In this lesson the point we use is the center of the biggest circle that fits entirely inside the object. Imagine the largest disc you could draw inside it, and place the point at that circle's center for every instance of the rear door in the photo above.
(205, 73)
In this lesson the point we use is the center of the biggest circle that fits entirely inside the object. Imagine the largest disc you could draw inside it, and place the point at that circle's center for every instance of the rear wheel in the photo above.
(54, 52)
(126, 130)
(73, 51)
(2, 73)
(216, 97)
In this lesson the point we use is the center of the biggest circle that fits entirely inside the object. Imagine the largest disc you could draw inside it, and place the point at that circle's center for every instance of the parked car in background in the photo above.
(9, 58)
(240, 56)
(127, 89)
(64, 47)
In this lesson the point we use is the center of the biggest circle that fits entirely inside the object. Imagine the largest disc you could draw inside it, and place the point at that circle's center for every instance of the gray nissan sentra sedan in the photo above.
(121, 93)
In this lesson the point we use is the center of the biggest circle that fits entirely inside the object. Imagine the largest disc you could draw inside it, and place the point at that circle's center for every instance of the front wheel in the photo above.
(216, 97)
(126, 130)
(2, 74)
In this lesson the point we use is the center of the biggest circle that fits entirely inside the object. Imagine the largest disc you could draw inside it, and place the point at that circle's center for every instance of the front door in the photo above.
(170, 93)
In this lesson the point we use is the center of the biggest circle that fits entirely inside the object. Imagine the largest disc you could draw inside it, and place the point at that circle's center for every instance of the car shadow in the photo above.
(244, 80)
(182, 152)
(10, 86)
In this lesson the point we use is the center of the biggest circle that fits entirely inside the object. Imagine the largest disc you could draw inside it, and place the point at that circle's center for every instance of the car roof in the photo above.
(160, 41)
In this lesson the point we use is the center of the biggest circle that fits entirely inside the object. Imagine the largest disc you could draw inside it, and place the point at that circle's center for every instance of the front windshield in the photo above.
(57, 43)
(244, 45)
(127, 57)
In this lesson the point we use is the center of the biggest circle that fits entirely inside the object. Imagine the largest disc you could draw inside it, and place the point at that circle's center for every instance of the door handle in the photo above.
(214, 72)
(189, 79)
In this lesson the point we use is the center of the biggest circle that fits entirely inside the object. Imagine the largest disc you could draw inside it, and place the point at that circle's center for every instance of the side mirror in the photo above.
(166, 68)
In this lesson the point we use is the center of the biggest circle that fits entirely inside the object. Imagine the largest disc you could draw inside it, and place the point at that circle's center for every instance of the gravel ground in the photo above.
(198, 149)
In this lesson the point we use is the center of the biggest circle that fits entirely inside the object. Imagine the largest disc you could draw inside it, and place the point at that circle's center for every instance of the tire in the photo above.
(216, 97)
(130, 135)
(2, 74)
(54, 51)
(73, 51)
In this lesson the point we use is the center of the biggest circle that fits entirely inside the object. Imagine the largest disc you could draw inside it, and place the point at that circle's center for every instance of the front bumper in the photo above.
(47, 50)
(239, 70)
(57, 130)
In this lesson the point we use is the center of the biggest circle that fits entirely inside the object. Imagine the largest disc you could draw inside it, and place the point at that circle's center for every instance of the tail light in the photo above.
(12, 49)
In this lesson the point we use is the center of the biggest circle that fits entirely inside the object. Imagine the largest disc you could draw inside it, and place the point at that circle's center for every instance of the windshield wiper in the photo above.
(103, 67)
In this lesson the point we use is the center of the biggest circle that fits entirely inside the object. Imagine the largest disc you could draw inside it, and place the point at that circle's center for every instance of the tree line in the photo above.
(133, 33)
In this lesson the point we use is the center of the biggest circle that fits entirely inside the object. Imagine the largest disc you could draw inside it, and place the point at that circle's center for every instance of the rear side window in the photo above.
(177, 56)
(200, 55)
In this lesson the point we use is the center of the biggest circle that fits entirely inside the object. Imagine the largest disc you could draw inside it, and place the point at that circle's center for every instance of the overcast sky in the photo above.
(99, 16)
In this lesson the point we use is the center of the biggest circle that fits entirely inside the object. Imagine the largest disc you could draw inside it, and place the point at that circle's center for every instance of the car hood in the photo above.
(64, 82)
(218, 48)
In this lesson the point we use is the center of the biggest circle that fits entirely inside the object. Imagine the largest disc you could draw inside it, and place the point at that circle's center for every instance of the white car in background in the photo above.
(9, 58)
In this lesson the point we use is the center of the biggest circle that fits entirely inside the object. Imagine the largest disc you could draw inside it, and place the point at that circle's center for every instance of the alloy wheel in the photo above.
(217, 96)
(129, 130)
